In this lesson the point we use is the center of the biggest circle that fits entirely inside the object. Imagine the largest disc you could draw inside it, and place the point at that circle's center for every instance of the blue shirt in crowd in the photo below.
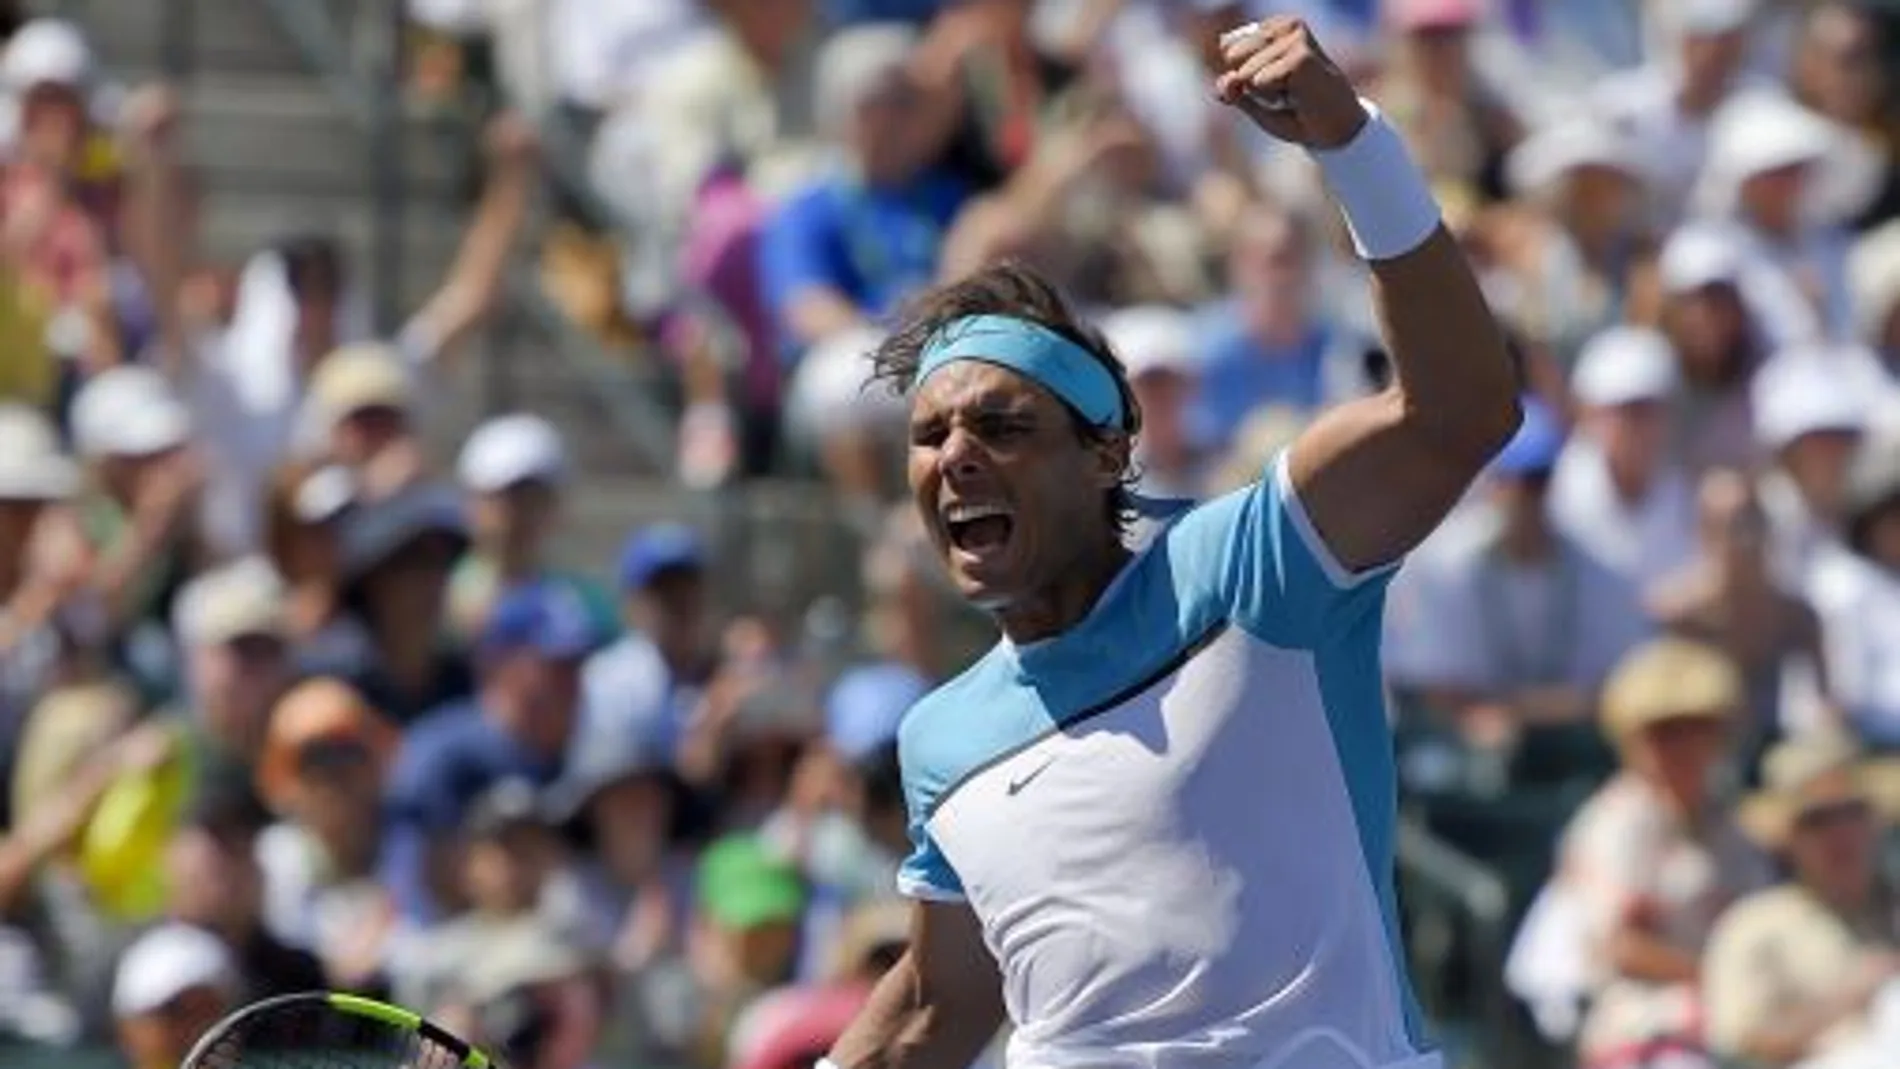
(1240, 375)
(448, 759)
(874, 245)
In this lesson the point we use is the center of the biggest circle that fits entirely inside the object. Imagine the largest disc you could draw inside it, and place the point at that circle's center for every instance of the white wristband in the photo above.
(825, 1063)
(1384, 196)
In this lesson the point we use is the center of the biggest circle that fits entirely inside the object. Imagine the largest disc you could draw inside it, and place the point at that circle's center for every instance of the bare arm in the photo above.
(159, 216)
(475, 277)
(938, 1007)
(1378, 474)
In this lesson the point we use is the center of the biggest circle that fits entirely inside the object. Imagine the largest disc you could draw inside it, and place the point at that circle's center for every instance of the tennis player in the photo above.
(1154, 824)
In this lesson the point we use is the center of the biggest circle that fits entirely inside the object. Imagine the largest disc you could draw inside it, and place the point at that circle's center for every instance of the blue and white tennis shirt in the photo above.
(1175, 819)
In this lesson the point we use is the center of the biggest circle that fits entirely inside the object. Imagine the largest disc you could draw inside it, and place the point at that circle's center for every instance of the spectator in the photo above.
(1652, 857)
(1730, 599)
(1809, 419)
(1156, 345)
(1571, 255)
(1791, 972)
(647, 684)
(744, 935)
(514, 469)
(847, 426)
(1506, 622)
(1270, 344)
(1667, 105)
(848, 246)
(217, 884)
(1857, 598)
(1617, 491)
(296, 306)
(1838, 72)
(397, 556)
(34, 476)
(518, 725)
(529, 997)
(322, 770)
(303, 539)
(172, 986)
(1778, 173)
(1718, 347)
(620, 804)
(360, 413)
(236, 665)
(1461, 129)
(138, 520)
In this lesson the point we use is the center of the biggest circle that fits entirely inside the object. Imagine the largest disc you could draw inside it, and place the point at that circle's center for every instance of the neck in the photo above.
(408, 654)
(1697, 99)
(1525, 543)
(514, 562)
(1061, 606)
(1849, 899)
(1631, 486)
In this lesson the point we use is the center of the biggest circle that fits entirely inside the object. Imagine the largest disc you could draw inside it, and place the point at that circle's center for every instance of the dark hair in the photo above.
(1011, 289)
(313, 264)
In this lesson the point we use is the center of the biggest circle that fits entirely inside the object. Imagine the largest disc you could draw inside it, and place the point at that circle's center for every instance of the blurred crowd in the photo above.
(288, 700)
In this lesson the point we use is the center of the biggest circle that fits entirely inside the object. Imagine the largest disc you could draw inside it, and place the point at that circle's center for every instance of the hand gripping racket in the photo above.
(320, 1030)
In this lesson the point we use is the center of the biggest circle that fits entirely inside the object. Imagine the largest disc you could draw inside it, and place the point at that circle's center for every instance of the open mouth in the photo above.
(978, 528)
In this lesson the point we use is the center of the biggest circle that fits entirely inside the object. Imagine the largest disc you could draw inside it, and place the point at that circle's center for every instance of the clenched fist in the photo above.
(1278, 75)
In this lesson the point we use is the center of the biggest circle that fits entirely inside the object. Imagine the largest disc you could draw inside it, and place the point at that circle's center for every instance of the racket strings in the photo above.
(317, 1037)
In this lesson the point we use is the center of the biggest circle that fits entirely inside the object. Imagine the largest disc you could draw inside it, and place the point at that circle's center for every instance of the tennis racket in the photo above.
(320, 1030)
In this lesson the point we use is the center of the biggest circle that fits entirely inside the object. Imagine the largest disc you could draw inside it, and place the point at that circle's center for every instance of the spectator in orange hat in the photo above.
(322, 771)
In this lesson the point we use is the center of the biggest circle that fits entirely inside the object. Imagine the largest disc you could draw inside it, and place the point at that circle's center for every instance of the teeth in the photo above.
(964, 513)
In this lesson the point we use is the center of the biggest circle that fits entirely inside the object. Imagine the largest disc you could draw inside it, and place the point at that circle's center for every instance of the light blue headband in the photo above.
(1050, 360)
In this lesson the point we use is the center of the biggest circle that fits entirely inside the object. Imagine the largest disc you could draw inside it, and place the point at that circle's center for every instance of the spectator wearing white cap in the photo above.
(1666, 105)
(836, 418)
(1585, 186)
(514, 469)
(1787, 178)
(1717, 344)
(173, 984)
(1617, 490)
(1156, 346)
(140, 517)
(1810, 416)
(233, 641)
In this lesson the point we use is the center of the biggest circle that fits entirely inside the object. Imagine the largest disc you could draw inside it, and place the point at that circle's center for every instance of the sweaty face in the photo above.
(1010, 494)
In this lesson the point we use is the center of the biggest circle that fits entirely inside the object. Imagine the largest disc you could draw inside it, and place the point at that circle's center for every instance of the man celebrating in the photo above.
(1155, 822)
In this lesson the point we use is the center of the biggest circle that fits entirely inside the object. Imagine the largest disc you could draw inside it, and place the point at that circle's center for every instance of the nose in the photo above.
(961, 454)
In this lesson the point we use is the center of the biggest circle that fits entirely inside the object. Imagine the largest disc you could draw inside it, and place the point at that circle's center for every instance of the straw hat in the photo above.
(1817, 772)
(1669, 679)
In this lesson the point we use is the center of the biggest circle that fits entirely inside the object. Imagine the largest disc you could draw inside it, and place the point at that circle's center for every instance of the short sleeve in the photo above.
(796, 252)
(1261, 555)
(926, 873)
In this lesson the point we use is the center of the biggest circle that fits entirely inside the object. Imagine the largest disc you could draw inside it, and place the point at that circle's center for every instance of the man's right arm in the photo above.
(938, 1007)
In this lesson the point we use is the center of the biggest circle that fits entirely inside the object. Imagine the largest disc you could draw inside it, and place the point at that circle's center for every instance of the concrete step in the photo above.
(287, 130)
(225, 35)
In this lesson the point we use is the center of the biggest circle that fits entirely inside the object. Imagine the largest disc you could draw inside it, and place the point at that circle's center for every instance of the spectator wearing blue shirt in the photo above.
(639, 691)
(1268, 345)
(851, 245)
(518, 726)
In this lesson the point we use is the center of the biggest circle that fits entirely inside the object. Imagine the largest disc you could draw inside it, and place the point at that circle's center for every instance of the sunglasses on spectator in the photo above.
(327, 758)
(1834, 814)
